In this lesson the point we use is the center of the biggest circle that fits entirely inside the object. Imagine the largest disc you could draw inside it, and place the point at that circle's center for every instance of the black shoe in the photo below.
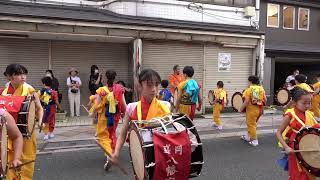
(107, 165)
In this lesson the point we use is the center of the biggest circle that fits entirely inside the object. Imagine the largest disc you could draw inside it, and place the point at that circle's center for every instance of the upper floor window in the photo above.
(303, 19)
(288, 17)
(273, 15)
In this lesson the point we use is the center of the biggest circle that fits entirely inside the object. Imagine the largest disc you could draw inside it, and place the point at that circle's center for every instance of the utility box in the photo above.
(249, 11)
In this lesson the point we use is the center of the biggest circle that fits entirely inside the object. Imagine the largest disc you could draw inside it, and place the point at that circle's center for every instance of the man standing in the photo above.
(290, 79)
(175, 78)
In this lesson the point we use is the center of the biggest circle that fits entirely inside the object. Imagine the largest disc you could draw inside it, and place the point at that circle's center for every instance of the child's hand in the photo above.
(289, 150)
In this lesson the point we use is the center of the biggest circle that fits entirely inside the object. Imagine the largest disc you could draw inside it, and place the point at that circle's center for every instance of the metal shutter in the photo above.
(162, 56)
(82, 55)
(33, 54)
(237, 78)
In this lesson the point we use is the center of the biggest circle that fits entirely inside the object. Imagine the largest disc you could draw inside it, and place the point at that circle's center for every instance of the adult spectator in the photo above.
(289, 79)
(175, 78)
(55, 83)
(74, 84)
(95, 80)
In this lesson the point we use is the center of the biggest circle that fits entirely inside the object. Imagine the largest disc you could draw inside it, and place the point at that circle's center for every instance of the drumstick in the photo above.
(120, 166)
(41, 126)
(44, 146)
(85, 108)
(28, 162)
(304, 150)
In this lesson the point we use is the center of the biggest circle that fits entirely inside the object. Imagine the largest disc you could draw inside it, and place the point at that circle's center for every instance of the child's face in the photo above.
(18, 79)
(149, 89)
(304, 103)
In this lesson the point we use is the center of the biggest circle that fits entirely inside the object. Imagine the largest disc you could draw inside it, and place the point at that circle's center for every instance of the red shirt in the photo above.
(144, 110)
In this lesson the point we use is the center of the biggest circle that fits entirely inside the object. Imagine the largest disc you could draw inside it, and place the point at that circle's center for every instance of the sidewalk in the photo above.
(233, 125)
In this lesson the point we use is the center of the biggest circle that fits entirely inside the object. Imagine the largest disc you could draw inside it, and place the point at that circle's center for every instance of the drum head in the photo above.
(309, 139)
(4, 146)
(31, 117)
(136, 153)
(237, 101)
(211, 96)
(283, 96)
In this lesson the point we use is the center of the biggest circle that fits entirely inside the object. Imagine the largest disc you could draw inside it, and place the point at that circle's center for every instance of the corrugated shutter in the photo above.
(162, 56)
(82, 55)
(237, 78)
(33, 54)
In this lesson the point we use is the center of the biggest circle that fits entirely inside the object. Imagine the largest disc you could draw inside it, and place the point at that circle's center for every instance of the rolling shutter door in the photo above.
(162, 56)
(234, 80)
(82, 55)
(33, 54)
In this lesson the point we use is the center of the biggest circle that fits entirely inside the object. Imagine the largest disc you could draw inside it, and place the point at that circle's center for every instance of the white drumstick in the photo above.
(85, 108)
(304, 150)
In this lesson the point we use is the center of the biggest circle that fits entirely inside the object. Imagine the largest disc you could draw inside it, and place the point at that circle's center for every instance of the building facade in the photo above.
(221, 41)
(292, 40)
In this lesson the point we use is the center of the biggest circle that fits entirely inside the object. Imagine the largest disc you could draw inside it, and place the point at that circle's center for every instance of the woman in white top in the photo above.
(74, 84)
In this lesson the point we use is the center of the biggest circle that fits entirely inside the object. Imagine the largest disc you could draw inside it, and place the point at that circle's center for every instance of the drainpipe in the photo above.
(50, 54)
(204, 81)
(261, 57)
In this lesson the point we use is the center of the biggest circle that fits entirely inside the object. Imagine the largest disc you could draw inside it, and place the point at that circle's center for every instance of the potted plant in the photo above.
(61, 115)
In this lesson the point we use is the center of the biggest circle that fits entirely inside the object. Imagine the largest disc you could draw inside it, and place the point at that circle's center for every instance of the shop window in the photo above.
(273, 15)
(288, 17)
(303, 19)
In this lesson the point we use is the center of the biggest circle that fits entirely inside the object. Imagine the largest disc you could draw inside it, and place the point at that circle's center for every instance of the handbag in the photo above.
(73, 90)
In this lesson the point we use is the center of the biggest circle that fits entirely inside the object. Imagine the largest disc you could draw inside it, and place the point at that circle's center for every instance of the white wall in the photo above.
(167, 9)
(181, 10)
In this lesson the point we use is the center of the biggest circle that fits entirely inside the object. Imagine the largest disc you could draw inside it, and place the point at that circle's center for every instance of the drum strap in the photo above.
(25, 90)
(308, 115)
(156, 109)
(139, 111)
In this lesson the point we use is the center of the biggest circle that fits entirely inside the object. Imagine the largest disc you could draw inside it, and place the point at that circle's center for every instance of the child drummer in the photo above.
(255, 99)
(147, 108)
(50, 102)
(316, 99)
(17, 74)
(300, 80)
(220, 100)
(294, 119)
(109, 104)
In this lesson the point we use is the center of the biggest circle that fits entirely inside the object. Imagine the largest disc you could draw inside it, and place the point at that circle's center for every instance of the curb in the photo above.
(93, 146)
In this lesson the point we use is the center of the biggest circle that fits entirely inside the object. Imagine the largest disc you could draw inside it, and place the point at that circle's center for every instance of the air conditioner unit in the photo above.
(249, 11)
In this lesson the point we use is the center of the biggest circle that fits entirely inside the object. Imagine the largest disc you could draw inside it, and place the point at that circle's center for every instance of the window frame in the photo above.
(272, 26)
(294, 17)
(308, 27)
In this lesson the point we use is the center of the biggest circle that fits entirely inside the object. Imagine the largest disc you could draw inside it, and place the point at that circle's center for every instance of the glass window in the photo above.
(288, 17)
(303, 21)
(273, 15)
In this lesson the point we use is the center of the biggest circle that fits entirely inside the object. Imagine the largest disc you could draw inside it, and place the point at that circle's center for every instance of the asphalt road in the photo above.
(225, 159)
